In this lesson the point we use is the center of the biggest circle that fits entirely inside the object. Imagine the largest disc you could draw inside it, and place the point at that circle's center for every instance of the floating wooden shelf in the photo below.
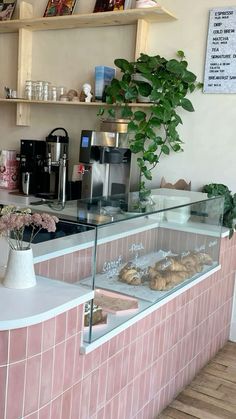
(53, 102)
(127, 17)
(26, 24)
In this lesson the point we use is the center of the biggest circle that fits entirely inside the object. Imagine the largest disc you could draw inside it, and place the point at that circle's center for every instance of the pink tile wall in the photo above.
(134, 375)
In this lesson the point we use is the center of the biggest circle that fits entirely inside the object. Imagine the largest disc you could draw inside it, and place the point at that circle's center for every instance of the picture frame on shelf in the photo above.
(108, 5)
(7, 8)
(59, 8)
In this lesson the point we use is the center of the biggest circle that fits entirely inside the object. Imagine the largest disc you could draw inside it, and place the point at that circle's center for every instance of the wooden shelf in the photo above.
(127, 17)
(53, 102)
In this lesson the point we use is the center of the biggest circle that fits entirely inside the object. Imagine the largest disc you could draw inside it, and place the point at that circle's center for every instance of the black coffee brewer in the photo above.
(32, 159)
(56, 164)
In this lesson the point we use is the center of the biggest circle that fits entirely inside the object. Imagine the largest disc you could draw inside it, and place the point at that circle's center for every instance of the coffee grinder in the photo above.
(107, 166)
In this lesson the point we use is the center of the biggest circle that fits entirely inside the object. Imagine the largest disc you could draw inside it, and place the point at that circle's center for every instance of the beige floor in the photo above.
(212, 394)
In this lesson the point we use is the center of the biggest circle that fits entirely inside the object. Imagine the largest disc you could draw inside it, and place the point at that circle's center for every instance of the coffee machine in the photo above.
(31, 163)
(107, 166)
(56, 165)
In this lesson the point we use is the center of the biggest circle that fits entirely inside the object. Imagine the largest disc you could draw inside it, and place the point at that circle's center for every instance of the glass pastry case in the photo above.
(142, 252)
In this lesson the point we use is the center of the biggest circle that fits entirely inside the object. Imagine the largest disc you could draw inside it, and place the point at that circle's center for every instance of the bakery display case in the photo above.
(145, 253)
(132, 254)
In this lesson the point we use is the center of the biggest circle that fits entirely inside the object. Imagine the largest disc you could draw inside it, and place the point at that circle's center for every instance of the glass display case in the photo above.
(139, 253)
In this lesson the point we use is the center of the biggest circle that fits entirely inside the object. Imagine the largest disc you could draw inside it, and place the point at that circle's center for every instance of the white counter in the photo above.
(21, 308)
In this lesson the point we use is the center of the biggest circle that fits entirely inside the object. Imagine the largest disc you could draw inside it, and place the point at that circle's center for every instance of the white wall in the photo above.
(68, 58)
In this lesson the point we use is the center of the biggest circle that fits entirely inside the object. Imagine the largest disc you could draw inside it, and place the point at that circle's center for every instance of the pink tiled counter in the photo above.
(132, 376)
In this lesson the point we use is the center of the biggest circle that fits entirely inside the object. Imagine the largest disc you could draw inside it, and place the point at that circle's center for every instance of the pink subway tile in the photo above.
(48, 334)
(46, 377)
(122, 403)
(125, 367)
(93, 402)
(34, 415)
(60, 328)
(3, 385)
(135, 402)
(118, 372)
(100, 414)
(110, 378)
(69, 362)
(85, 396)
(4, 340)
(58, 369)
(66, 405)
(16, 379)
(45, 412)
(102, 385)
(18, 344)
(79, 361)
(71, 322)
(56, 408)
(75, 401)
(34, 339)
(104, 352)
(32, 377)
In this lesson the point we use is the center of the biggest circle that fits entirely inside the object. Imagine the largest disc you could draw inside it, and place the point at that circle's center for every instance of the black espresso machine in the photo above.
(44, 166)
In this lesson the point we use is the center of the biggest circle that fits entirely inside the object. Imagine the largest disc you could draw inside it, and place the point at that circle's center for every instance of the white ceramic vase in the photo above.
(20, 270)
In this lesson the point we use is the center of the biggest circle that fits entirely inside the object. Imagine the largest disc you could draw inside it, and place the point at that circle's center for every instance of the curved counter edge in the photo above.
(49, 298)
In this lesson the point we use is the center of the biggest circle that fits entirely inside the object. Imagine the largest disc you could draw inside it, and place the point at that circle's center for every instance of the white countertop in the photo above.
(21, 308)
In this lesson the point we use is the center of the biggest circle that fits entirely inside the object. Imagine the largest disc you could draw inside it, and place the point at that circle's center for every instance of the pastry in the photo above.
(170, 263)
(130, 274)
(158, 283)
(98, 316)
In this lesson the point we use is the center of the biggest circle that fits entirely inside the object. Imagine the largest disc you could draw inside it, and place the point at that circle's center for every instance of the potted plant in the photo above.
(152, 130)
(229, 211)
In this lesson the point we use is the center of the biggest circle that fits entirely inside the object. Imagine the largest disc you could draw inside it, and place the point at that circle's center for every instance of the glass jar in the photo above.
(28, 90)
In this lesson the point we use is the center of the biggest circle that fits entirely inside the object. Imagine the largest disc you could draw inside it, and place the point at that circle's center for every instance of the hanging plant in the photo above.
(152, 131)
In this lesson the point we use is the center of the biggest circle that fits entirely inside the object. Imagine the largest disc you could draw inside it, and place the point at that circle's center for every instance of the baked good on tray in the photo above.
(130, 274)
(173, 270)
(98, 316)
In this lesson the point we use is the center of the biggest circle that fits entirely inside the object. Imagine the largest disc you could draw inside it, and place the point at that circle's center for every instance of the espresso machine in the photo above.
(31, 162)
(107, 166)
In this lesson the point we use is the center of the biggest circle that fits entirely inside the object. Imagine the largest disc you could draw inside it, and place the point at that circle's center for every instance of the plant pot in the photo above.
(139, 77)
(20, 270)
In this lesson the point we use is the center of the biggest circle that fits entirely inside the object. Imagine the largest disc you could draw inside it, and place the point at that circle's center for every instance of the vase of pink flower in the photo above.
(20, 265)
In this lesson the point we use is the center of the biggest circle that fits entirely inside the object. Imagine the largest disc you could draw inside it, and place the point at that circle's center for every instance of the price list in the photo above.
(220, 66)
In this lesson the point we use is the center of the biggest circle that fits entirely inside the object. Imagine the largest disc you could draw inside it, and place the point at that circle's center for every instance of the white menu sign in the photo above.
(220, 66)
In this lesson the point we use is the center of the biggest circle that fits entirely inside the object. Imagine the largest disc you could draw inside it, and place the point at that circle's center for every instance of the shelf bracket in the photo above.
(24, 64)
(141, 38)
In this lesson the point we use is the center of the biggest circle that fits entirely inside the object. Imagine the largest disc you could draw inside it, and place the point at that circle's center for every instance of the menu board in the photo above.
(220, 66)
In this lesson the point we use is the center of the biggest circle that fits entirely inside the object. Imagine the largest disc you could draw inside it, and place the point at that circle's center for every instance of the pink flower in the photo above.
(13, 222)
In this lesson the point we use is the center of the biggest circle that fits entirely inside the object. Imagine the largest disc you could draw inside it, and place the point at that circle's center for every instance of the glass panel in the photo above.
(144, 259)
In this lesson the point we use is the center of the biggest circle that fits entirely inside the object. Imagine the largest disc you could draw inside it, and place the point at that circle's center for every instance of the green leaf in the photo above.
(175, 67)
(176, 148)
(180, 54)
(123, 64)
(112, 112)
(126, 112)
(132, 127)
(139, 115)
(131, 93)
(187, 105)
(189, 77)
(100, 111)
(154, 122)
(165, 149)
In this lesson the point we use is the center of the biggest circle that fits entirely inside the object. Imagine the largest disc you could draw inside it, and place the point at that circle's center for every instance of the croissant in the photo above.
(130, 276)
(158, 283)
(204, 258)
(170, 264)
